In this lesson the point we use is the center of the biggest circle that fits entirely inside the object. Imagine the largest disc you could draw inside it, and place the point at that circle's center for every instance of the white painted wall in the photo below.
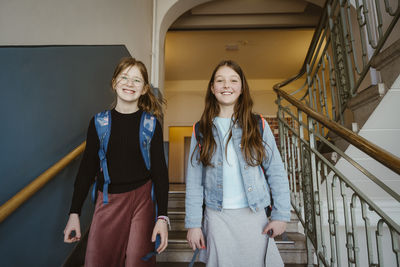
(75, 22)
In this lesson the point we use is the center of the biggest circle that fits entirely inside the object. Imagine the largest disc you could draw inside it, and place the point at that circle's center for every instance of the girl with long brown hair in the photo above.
(233, 169)
(123, 225)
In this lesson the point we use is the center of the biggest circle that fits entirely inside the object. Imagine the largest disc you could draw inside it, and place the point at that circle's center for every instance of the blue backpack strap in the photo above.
(102, 121)
(146, 131)
(195, 253)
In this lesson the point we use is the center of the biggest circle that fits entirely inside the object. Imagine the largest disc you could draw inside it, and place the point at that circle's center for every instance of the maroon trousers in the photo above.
(120, 234)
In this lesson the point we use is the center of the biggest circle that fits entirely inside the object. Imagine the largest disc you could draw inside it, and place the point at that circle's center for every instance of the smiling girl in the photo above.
(122, 230)
(226, 173)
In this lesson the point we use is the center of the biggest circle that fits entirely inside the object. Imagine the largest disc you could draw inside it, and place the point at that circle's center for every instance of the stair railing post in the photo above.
(300, 159)
(314, 205)
(310, 252)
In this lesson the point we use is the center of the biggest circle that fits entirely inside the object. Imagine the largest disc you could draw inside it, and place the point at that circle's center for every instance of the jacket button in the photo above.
(246, 167)
(250, 189)
(256, 209)
(240, 145)
(219, 186)
(220, 163)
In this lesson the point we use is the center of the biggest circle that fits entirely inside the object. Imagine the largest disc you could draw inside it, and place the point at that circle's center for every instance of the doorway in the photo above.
(179, 145)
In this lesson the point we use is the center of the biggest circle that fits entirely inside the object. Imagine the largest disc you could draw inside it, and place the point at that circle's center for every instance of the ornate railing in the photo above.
(349, 36)
(338, 217)
(344, 222)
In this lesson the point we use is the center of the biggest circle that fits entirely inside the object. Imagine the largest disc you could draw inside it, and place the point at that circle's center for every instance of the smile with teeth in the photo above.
(129, 91)
(226, 93)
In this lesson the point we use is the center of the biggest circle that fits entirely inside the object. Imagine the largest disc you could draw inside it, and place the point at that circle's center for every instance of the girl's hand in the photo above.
(73, 224)
(277, 227)
(195, 238)
(161, 228)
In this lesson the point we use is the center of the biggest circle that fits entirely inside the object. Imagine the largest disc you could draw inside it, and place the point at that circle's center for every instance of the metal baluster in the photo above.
(379, 20)
(379, 242)
(314, 192)
(395, 244)
(318, 210)
(299, 159)
(347, 224)
(309, 86)
(332, 83)
(315, 106)
(356, 249)
(324, 87)
(335, 180)
(290, 158)
(358, 69)
(389, 9)
(294, 165)
(321, 127)
(372, 43)
(331, 220)
(367, 233)
(345, 39)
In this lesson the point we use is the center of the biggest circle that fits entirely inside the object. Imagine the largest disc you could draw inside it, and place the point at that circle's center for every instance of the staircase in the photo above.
(292, 246)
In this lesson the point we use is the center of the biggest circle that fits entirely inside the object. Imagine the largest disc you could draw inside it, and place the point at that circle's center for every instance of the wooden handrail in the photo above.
(379, 154)
(18, 199)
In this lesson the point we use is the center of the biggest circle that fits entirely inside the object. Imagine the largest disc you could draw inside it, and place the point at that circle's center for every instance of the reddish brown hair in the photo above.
(147, 102)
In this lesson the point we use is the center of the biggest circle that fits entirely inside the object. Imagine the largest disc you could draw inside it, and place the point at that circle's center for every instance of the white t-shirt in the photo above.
(234, 195)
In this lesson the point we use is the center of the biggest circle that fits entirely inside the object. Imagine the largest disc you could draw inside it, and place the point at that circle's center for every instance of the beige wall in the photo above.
(76, 22)
(185, 100)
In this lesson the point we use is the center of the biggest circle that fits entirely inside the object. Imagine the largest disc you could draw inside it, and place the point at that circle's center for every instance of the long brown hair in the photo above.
(147, 102)
(251, 143)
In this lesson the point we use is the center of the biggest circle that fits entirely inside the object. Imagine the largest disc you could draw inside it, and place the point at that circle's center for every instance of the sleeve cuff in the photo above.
(280, 216)
(193, 223)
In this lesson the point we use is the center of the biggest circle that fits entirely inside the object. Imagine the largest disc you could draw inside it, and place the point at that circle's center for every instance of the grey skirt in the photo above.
(234, 239)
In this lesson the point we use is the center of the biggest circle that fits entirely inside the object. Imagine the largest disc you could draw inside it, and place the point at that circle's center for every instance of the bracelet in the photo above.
(166, 219)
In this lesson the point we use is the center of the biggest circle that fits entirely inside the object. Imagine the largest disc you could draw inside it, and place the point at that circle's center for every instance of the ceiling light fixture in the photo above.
(232, 47)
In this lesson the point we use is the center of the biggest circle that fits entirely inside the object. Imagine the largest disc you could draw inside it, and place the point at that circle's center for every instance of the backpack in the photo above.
(147, 127)
(261, 125)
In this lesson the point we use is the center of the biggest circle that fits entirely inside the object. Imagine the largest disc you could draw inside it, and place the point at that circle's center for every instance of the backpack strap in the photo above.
(146, 132)
(261, 124)
(197, 134)
(102, 121)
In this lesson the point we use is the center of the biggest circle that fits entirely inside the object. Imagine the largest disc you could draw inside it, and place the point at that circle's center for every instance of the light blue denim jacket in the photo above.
(209, 187)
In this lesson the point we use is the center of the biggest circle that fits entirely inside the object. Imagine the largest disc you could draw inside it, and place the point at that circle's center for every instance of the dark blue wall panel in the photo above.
(47, 97)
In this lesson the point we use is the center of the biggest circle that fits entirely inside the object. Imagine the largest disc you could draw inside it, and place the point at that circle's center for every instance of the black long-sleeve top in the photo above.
(125, 162)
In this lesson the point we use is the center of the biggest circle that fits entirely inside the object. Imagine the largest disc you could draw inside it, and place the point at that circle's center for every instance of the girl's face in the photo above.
(129, 86)
(227, 86)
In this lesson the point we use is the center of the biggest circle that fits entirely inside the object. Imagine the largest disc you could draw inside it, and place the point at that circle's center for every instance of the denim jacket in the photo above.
(205, 183)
